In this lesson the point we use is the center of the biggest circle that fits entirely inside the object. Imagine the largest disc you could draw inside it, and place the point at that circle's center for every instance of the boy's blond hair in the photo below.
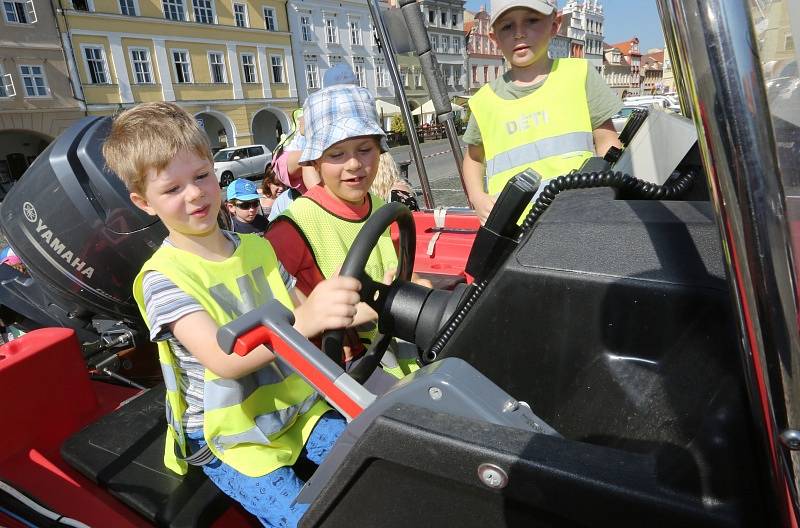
(148, 136)
(388, 174)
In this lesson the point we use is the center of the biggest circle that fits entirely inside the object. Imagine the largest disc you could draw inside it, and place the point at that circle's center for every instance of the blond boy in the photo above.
(246, 420)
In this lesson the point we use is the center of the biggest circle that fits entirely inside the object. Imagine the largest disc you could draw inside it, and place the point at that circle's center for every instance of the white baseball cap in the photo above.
(501, 6)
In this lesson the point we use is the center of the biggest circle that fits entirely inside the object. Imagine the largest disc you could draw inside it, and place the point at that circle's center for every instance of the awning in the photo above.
(427, 108)
(386, 108)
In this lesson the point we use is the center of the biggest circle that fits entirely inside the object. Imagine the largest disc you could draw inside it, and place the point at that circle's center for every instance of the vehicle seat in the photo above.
(124, 453)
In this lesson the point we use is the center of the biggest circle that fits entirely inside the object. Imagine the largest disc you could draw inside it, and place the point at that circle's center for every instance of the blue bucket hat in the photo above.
(340, 112)
(242, 190)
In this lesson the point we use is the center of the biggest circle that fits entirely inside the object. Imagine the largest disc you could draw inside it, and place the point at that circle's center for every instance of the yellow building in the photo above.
(229, 63)
(37, 101)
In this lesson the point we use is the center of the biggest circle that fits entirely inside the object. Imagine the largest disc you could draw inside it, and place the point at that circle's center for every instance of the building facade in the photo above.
(412, 79)
(580, 33)
(559, 46)
(653, 72)
(572, 28)
(227, 63)
(667, 75)
(622, 67)
(37, 100)
(485, 62)
(327, 32)
(584, 27)
(444, 20)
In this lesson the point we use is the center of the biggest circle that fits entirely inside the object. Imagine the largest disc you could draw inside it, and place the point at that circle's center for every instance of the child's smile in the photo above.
(349, 167)
(184, 194)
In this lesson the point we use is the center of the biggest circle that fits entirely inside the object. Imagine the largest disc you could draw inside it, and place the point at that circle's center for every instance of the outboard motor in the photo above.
(71, 222)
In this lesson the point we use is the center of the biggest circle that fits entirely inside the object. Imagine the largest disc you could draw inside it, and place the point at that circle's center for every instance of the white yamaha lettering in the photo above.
(55, 244)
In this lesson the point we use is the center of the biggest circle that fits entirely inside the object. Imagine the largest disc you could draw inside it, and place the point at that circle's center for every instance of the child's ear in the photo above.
(141, 202)
(230, 207)
(493, 37)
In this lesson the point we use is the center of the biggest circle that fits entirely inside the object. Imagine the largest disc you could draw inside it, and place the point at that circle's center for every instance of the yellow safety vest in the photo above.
(549, 130)
(256, 423)
(330, 237)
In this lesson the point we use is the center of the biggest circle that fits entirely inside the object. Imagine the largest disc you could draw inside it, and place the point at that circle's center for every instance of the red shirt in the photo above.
(291, 247)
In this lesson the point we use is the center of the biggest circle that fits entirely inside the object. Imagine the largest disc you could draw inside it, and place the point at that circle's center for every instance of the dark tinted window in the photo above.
(255, 151)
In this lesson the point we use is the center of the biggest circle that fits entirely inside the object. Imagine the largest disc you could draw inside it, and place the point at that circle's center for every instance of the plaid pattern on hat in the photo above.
(337, 113)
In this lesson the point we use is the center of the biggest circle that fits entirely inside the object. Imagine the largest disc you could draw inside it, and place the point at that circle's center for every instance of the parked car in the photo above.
(241, 162)
(662, 101)
(620, 118)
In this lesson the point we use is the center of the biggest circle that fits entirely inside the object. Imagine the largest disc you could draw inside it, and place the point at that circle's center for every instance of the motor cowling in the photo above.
(71, 221)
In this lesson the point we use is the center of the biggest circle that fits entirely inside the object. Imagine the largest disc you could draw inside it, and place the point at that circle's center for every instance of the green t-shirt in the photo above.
(603, 103)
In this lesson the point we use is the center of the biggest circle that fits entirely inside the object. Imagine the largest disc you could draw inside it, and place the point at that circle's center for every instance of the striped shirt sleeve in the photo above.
(164, 304)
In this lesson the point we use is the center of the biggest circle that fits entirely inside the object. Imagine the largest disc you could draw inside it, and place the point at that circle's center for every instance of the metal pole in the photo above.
(394, 73)
(731, 112)
(433, 76)
(676, 59)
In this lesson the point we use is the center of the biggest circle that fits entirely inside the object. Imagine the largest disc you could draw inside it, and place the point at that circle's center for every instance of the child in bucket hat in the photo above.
(337, 113)
(312, 237)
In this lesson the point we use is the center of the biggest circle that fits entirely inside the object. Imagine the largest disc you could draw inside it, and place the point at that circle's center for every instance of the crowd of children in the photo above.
(246, 420)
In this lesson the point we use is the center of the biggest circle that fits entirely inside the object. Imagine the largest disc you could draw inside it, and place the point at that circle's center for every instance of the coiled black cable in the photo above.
(625, 183)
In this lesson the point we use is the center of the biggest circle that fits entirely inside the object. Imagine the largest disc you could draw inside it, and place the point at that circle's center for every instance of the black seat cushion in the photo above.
(124, 453)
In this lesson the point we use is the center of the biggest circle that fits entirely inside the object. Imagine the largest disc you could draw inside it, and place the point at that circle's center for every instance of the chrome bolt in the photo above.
(511, 406)
(435, 393)
(493, 476)
(790, 438)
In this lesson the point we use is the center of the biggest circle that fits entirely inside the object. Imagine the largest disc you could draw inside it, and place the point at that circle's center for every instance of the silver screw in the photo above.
(435, 393)
(791, 439)
(493, 476)
(511, 406)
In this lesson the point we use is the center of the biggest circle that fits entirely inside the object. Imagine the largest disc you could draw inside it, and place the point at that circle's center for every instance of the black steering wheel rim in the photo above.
(373, 292)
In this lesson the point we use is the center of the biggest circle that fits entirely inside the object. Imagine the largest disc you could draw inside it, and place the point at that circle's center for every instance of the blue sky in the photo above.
(624, 19)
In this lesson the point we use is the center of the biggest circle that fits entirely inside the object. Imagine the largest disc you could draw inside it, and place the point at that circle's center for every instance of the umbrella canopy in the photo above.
(386, 108)
(427, 108)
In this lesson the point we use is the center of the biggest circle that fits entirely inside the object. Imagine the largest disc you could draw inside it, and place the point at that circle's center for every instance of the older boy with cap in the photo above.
(546, 114)
(244, 207)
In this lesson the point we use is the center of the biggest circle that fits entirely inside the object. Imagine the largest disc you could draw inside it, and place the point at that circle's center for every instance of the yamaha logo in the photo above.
(51, 241)
(30, 212)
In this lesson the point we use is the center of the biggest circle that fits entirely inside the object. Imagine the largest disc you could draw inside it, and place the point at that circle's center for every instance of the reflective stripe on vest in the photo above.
(571, 143)
(549, 130)
(266, 425)
(256, 423)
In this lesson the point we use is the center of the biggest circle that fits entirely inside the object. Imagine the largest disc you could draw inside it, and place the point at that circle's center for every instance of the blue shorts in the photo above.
(271, 496)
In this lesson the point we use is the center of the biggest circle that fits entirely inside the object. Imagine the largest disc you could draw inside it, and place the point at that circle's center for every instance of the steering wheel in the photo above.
(374, 293)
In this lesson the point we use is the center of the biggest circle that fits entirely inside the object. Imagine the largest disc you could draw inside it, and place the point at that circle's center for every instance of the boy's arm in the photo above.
(605, 137)
(292, 159)
(197, 332)
(473, 180)
(331, 305)
(309, 173)
(310, 176)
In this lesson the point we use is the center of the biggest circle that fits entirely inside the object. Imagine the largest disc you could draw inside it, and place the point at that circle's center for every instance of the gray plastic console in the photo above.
(450, 386)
